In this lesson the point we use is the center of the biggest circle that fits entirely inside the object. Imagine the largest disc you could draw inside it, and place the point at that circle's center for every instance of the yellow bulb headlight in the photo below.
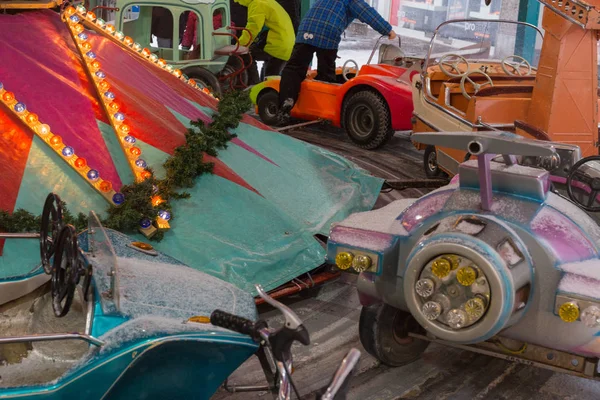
(466, 276)
(361, 263)
(344, 260)
(441, 267)
(454, 260)
(475, 308)
(569, 311)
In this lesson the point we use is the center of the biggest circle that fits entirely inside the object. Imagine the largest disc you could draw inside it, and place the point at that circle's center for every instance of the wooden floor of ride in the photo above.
(331, 313)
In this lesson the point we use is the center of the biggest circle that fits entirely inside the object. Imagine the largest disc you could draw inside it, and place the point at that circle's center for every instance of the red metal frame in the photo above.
(298, 284)
(236, 76)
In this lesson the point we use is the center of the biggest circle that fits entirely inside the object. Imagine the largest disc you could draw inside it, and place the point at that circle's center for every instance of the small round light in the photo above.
(124, 128)
(93, 175)
(86, 46)
(169, 68)
(146, 52)
(119, 35)
(191, 82)
(110, 28)
(164, 215)
(100, 74)
(81, 9)
(569, 311)
(109, 95)
(114, 106)
(361, 263)
(8, 97)
(20, 108)
(104, 86)
(91, 55)
(431, 310)
(441, 267)
(177, 73)
(90, 16)
(96, 65)
(344, 260)
(42, 129)
(105, 186)
(591, 316)
(119, 116)
(31, 119)
(146, 174)
(100, 22)
(128, 41)
(145, 223)
(456, 318)
(135, 151)
(82, 36)
(129, 139)
(67, 151)
(118, 198)
(80, 162)
(425, 287)
(73, 19)
(153, 58)
(466, 276)
(78, 28)
(137, 47)
(475, 308)
(69, 11)
(140, 163)
(55, 140)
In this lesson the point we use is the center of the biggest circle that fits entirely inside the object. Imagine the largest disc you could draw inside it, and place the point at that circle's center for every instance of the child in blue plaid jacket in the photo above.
(321, 32)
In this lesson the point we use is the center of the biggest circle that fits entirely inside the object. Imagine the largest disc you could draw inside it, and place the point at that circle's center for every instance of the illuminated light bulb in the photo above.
(80, 162)
(67, 151)
(105, 186)
(569, 311)
(20, 108)
(156, 200)
(93, 175)
(100, 22)
(91, 55)
(425, 287)
(114, 106)
(81, 9)
(118, 198)
(169, 68)
(119, 35)
(135, 151)
(110, 28)
(8, 97)
(55, 140)
(140, 163)
(591, 316)
(137, 47)
(361, 263)
(104, 86)
(73, 19)
(100, 74)
(146, 52)
(78, 28)
(145, 223)
(129, 139)
(70, 11)
(441, 267)
(124, 128)
(82, 36)
(109, 95)
(31, 119)
(128, 41)
(153, 58)
(431, 310)
(96, 65)
(119, 116)
(178, 73)
(145, 174)
(475, 308)
(456, 318)
(344, 260)
(90, 16)
(86, 46)
(164, 214)
(42, 129)
(191, 82)
(466, 276)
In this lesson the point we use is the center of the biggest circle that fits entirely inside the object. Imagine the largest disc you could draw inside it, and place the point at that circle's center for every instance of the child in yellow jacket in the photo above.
(280, 37)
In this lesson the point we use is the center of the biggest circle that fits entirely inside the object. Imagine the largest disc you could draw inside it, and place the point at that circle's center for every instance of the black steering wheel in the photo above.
(66, 271)
(581, 180)
(52, 223)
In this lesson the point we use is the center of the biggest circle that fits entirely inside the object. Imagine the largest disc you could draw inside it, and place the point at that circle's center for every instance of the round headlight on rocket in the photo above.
(344, 260)
(361, 263)
(591, 316)
(425, 287)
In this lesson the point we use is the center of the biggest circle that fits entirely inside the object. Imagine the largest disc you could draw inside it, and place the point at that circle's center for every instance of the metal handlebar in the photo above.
(377, 44)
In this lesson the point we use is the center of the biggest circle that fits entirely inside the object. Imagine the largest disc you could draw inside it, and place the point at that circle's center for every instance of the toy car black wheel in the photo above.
(204, 77)
(65, 271)
(432, 169)
(268, 105)
(383, 332)
(367, 120)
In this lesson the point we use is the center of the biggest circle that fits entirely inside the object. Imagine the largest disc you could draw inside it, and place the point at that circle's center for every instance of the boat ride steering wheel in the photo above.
(579, 179)
(52, 223)
(476, 86)
(451, 62)
(515, 66)
(345, 69)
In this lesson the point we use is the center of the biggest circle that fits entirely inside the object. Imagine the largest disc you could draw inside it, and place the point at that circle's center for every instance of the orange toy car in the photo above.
(370, 105)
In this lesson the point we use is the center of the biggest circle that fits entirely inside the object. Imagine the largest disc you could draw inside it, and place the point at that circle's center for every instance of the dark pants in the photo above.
(296, 68)
(272, 67)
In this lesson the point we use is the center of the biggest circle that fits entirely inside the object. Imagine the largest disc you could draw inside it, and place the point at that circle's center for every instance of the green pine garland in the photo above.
(182, 170)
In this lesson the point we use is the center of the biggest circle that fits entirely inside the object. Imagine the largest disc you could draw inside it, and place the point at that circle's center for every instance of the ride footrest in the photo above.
(299, 125)
(415, 183)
